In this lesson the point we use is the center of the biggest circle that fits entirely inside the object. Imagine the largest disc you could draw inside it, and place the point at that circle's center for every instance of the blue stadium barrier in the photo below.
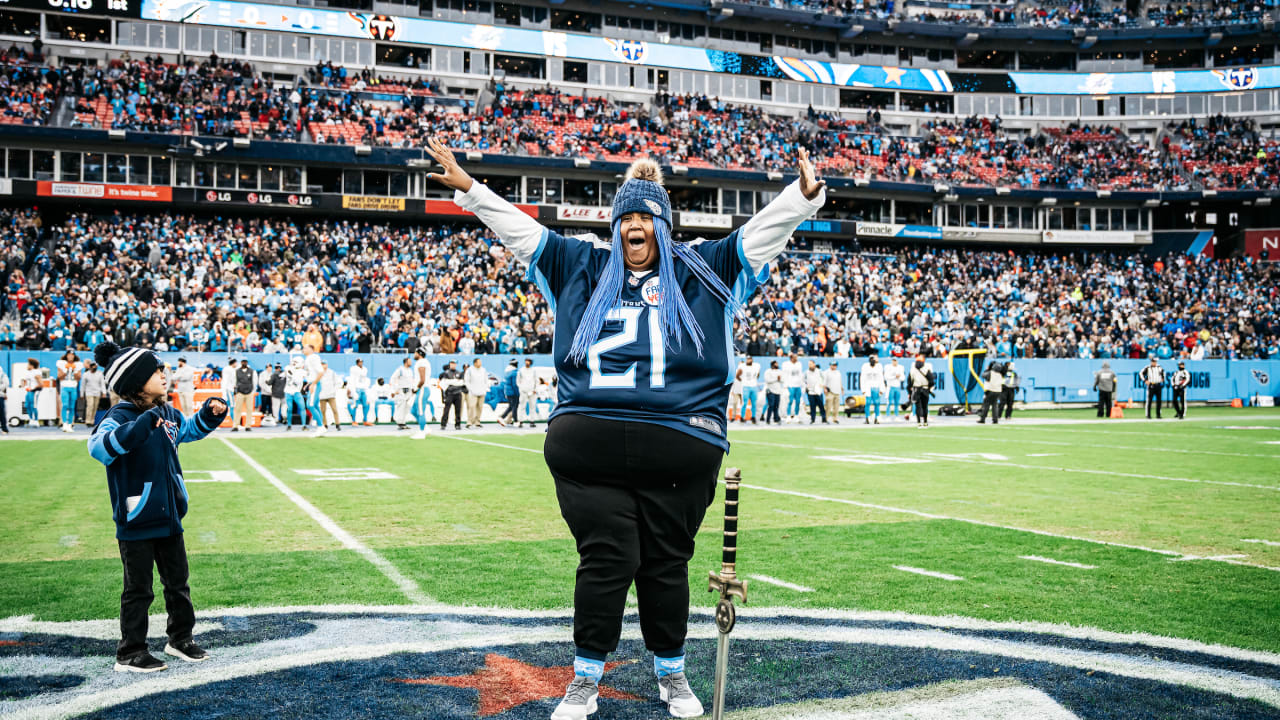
(1058, 381)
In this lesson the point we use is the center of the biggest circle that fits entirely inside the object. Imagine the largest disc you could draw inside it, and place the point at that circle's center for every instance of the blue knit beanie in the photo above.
(642, 192)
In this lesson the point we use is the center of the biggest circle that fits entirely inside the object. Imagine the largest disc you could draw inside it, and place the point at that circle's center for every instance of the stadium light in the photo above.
(1049, 201)
(680, 169)
(240, 142)
(420, 163)
(1104, 193)
(581, 163)
(775, 175)
(1262, 201)
(1209, 193)
(1153, 202)
(1002, 190)
(115, 134)
(941, 187)
(950, 197)
(363, 150)
(474, 156)
(860, 182)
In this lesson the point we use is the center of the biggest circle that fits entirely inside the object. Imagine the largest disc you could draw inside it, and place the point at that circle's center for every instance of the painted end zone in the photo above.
(366, 662)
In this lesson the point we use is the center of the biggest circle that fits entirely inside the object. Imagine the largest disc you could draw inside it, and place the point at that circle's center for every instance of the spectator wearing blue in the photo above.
(511, 392)
(894, 376)
(871, 380)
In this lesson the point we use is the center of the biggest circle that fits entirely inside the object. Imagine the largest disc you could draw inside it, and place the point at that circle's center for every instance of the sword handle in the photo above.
(729, 558)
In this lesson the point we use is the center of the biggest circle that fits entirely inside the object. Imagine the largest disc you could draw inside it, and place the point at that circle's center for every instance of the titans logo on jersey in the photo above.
(630, 373)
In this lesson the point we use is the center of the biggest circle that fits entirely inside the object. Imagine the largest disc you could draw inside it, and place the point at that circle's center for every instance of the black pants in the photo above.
(1180, 401)
(815, 406)
(451, 401)
(990, 403)
(169, 555)
(920, 397)
(4, 416)
(266, 405)
(1154, 396)
(1104, 403)
(1007, 401)
(633, 495)
(773, 402)
(513, 409)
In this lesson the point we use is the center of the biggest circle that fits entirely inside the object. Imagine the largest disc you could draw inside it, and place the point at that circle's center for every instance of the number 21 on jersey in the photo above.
(630, 317)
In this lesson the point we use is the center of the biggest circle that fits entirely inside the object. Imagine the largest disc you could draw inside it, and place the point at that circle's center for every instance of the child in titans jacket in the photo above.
(138, 443)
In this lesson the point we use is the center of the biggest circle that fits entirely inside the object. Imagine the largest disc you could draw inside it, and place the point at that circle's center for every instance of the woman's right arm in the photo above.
(522, 235)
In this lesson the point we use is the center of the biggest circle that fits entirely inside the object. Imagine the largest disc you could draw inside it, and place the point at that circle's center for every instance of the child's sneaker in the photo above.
(189, 651)
(579, 699)
(143, 662)
(674, 690)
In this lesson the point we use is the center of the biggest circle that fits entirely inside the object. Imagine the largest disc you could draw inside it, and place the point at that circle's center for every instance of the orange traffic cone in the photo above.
(1237, 403)
(1116, 412)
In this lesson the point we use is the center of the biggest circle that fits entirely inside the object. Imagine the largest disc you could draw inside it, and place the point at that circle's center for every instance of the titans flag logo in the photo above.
(331, 663)
(629, 51)
(1237, 78)
(378, 27)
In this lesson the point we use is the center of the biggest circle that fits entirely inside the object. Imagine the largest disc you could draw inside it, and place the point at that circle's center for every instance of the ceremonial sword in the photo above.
(726, 583)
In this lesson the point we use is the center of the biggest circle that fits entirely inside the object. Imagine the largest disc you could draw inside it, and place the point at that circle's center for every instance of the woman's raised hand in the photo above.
(453, 176)
(810, 185)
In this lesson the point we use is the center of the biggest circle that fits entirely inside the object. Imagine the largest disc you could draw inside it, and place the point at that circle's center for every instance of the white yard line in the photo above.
(349, 541)
(781, 583)
(1270, 543)
(920, 513)
(1083, 471)
(1051, 561)
(927, 573)
(486, 442)
(1060, 443)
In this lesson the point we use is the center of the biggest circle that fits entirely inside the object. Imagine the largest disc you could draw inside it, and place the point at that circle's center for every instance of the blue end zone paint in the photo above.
(764, 674)
(16, 688)
(236, 631)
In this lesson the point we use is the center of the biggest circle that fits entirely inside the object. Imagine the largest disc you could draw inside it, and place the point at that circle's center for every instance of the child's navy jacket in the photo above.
(142, 462)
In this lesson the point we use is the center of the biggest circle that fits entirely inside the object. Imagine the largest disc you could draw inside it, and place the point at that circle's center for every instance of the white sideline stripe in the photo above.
(1051, 561)
(108, 629)
(928, 573)
(1236, 684)
(1083, 471)
(1271, 543)
(486, 442)
(1044, 454)
(781, 583)
(1184, 451)
(349, 541)
(931, 516)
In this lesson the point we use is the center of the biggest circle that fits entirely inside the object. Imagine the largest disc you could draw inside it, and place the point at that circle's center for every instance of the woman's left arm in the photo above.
(765, 235)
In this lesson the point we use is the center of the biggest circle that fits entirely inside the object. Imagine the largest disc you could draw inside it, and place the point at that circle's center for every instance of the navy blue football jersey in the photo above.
(630, 373)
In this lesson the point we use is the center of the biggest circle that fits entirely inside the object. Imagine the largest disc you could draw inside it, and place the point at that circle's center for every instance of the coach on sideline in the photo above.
(643, 347)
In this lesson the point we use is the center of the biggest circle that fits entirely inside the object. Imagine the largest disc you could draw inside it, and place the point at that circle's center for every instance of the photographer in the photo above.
(920, 382)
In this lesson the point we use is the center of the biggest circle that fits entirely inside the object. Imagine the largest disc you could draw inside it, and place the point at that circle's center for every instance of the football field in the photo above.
(1168, 529)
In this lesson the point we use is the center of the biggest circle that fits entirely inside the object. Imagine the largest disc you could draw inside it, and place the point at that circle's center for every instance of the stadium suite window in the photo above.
(139, 169)
(94, 167)
(225, 175)
(575, 20)
(516, 66)
(204, 174)
(19, 23)
(42, 163)
(78, 29)
(69, 166)
(117, 169)
(247, 177)
(575, 72)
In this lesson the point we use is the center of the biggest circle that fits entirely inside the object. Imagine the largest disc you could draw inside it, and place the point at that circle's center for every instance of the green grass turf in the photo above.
(476, 524)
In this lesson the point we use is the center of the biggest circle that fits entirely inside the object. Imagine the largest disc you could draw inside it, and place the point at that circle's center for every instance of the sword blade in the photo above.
(722, 671)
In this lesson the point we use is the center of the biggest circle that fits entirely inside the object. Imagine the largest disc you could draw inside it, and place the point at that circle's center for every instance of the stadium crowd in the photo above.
(175, 282)
(332, 105)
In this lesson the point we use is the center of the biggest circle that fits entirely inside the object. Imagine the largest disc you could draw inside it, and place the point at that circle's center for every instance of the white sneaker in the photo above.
(674, 690)
(420, 435)
(579, 699)
(321, 430)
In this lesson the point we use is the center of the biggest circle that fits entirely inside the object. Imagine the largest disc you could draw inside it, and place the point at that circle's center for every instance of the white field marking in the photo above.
(1185, 558)
(964, 456)
(108, 629)
(929, 573)
(69, 540)
(492, 444)
(1083, 471)
(865, 459)
(1060, 443)
(1247, 427)
(1271, 442)
(921, 513)
(986, 699)
(1051, 561)
(1234, 683)
(212, 476)
(406, 585)
(1044, 454)
(347, 474)
(1271, 543)
(781, 583)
